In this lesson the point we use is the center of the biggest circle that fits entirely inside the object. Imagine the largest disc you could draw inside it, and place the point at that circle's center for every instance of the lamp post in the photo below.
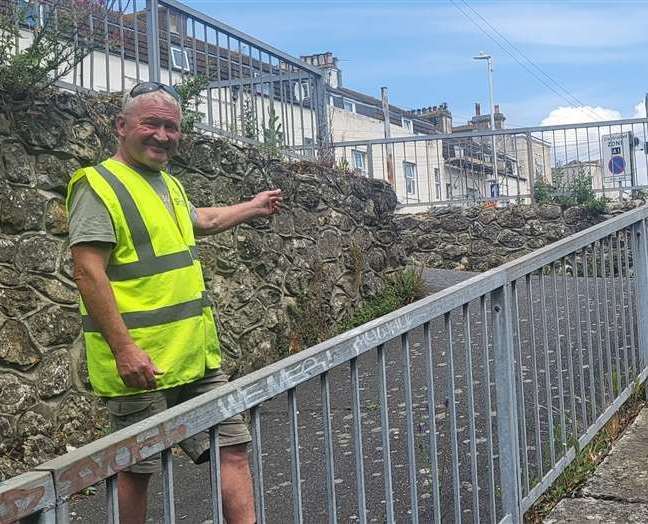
(489, 61)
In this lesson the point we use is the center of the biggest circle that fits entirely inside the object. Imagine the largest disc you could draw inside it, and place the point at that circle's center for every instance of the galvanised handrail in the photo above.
(479, 133)
(620, 242)
(428, 170)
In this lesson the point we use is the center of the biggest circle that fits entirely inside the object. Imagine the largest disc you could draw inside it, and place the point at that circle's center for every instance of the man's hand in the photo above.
(267, 203)
(136, 368)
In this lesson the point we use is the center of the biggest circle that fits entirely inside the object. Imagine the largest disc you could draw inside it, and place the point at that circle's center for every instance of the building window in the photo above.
(360, 160)
(407, 124)
(34, 14)
(539, 169)
(180, 59)
(449, 191)
(410, 177)
(174, 23)
(349, 106)
(494, 190)
(437, 183)
(302, 90)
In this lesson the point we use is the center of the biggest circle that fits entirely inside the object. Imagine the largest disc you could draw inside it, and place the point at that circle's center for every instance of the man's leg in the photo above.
(132, 489)
(236, 482)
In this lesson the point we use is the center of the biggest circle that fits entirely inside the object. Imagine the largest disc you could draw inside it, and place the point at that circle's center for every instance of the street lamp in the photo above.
(489, 61)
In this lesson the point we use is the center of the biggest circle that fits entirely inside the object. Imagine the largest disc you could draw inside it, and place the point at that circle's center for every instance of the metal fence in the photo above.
(255, 93)
(460, 168)
(464, 406)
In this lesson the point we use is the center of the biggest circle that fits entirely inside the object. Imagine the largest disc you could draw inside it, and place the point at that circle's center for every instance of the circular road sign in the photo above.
(616, 165)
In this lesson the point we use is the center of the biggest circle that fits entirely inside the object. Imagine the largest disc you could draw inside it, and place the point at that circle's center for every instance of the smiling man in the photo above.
(149, 330)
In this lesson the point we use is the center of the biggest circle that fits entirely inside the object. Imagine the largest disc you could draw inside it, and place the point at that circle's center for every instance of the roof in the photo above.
(373, 109)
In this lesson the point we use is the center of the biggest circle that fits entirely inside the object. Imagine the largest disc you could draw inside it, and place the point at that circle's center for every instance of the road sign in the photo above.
(617, 154)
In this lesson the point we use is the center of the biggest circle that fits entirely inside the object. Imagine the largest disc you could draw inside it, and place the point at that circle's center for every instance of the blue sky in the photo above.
(422, 50)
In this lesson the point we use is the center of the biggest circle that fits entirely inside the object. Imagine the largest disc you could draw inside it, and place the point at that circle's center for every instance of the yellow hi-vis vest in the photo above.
(156, 279)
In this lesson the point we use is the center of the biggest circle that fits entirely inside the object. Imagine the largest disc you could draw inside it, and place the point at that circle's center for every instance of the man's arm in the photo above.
(212, 220)
(90, 261)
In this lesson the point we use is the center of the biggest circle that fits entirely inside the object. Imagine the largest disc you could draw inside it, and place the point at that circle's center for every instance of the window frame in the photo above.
(174, 64)
(346, 101)
(361, 154)
(413, 179)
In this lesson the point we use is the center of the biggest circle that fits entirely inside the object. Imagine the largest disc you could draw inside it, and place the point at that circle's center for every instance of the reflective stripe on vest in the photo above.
(148, 264)
(154, 317)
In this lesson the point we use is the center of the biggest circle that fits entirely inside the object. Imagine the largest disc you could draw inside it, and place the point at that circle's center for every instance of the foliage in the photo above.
(402, 288)
(570, 187)
(190, 97)
(311, 313)
(249, 124)
(62, 38)
(273, 135)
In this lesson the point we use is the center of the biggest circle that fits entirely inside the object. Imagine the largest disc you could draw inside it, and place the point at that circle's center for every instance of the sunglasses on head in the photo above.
(150, 87)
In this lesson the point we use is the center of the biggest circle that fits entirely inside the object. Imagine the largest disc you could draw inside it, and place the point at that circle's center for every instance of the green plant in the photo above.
(310, 314)
(273, 135)
(249, 124)
(402, 288)
(571, 186)
(190, 97)
(62, 36)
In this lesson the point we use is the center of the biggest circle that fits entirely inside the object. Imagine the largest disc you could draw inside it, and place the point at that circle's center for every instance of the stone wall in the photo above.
(255, 272)
(479, 238)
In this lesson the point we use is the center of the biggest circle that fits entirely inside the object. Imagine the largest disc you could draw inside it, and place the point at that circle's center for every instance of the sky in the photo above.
(554, 61)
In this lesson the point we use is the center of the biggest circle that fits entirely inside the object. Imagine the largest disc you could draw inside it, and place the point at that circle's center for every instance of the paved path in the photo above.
(618, 490)
(192, 482)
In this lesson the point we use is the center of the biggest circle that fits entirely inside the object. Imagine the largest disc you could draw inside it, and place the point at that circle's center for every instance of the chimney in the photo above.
(477, 109)
(497, 108)
(440, 116)
(328, 64)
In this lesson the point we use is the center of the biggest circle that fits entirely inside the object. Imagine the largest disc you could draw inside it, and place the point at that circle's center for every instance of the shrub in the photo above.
(62, 37)
(570, 190)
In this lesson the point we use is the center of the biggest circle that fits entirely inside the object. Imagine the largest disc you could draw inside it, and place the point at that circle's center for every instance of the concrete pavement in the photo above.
(618, 490)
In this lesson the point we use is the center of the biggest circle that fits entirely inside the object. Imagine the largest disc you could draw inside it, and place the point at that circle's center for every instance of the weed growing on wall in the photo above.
(402, 288)
(310, 314)
(570, 189)
(190, 97)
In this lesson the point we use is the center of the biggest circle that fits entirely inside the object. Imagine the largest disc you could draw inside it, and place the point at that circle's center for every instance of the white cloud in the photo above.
(579, 115)
(640, 110)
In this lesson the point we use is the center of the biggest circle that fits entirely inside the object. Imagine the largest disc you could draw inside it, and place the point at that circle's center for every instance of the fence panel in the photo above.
(254, 93)
(558, 163)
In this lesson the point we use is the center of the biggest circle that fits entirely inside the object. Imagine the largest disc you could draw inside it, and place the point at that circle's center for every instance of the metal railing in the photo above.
(460, 168)
(464, 406)
(256, 93)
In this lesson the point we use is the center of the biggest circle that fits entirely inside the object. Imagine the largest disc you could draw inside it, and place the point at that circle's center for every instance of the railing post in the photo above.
(507, 413)
(370, 167)
(153, 40)
(641, 269)
(321, 111)
(531, 167)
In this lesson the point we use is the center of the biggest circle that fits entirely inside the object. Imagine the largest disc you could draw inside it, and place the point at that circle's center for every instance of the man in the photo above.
(150, 335)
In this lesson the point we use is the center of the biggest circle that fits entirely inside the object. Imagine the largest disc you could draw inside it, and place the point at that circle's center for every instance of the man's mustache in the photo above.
(161, 145)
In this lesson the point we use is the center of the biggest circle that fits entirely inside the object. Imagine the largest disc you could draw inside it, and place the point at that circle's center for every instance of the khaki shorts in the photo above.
(125, 411)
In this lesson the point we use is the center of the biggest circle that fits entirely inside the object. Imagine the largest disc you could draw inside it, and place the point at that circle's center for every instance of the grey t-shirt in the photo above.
(89, 220)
